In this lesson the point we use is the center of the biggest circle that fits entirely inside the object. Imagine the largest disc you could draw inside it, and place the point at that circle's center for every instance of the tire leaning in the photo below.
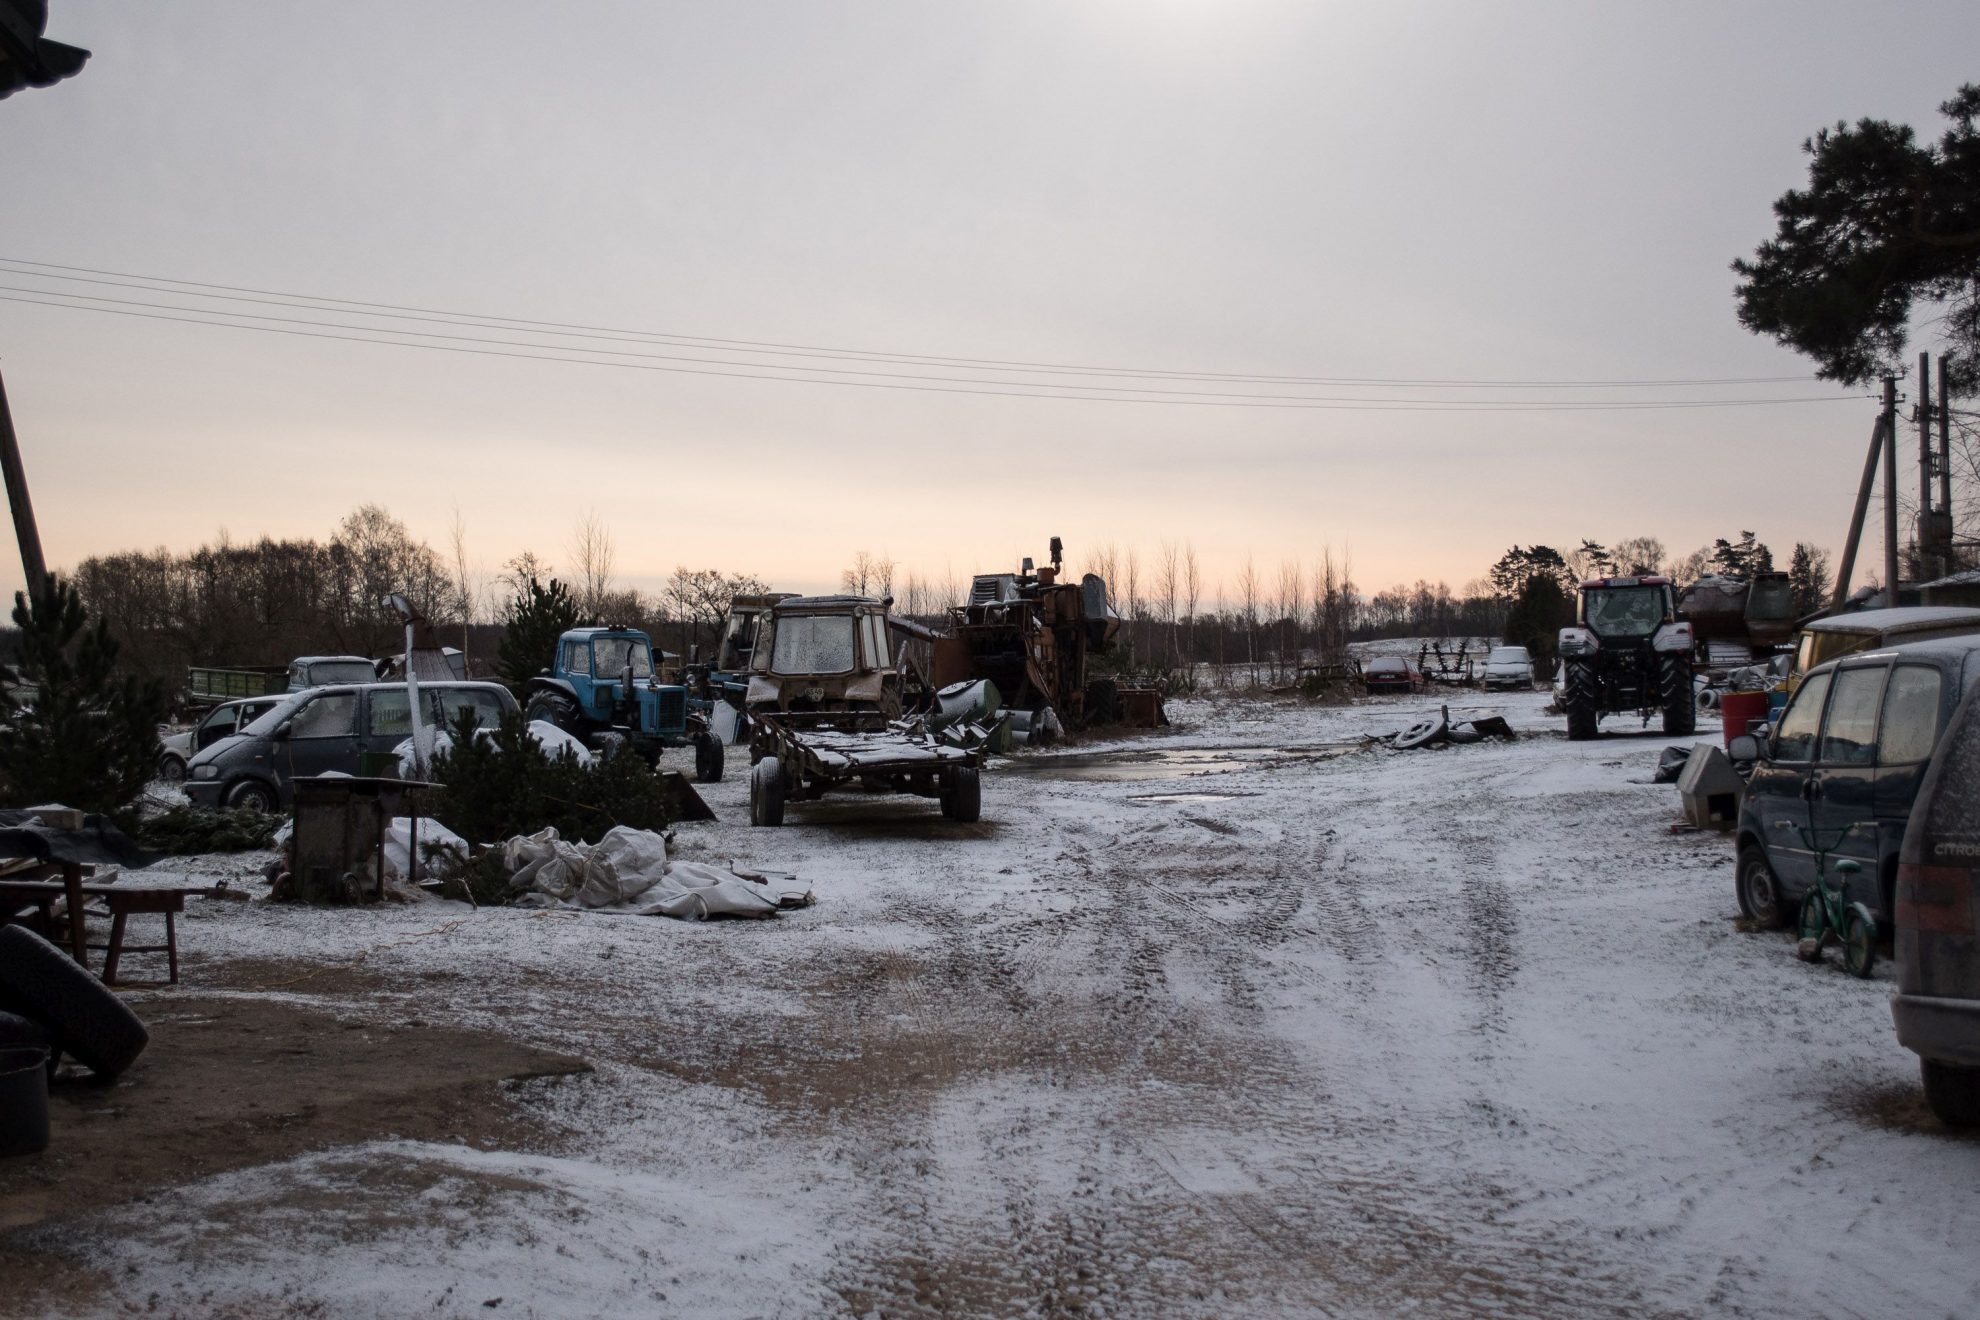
(87, 1020)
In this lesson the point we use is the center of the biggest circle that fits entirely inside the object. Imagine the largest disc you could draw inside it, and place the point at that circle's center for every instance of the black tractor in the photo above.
(1628, 654)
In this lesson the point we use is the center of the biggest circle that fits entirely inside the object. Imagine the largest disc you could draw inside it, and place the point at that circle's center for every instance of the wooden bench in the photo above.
(121, 901)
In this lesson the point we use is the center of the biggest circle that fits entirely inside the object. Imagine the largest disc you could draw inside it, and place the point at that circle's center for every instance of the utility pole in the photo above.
(1890, 493)
(15, 474)
(1931, 560)
(1945, 468)
(1882, 435)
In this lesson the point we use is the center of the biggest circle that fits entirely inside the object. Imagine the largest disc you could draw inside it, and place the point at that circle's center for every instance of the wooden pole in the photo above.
(1931, 561)
(1862, 509)
(1890, 494)
(1945, 465)
(32, 564)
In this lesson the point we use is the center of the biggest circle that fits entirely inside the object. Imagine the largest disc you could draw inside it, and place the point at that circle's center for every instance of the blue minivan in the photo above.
(1840, 769)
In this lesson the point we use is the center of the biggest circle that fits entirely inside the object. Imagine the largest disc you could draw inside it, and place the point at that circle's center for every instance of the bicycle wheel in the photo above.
(1814, 928)
(1859, 940)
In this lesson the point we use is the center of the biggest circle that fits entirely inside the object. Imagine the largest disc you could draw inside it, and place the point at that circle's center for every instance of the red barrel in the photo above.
(1736, 709)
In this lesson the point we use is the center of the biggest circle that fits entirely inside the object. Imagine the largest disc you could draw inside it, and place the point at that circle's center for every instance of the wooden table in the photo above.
(122, 900)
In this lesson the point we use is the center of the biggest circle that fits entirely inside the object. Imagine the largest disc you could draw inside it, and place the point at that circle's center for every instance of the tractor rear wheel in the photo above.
(558, 709)
(1674, 684)
(1580, 701)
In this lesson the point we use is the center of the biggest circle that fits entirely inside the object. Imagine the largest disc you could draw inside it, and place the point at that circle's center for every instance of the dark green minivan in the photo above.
(1840, 770)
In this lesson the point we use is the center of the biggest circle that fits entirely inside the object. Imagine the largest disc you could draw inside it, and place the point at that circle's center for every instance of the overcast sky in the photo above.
(1454, 192)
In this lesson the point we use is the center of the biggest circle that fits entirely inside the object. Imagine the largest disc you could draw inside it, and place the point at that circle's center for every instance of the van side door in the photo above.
(323, 735)
(1778, 792)
(1917, 705)
(1843, 794)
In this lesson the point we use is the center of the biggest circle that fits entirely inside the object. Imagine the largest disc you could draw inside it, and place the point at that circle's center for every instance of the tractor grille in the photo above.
(673, 709)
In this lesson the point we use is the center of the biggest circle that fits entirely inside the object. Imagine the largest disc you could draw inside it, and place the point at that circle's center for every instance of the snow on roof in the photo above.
(1903, 618)
(1970, 578)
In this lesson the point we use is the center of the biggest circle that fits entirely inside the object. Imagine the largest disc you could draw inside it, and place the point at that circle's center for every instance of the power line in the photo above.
(1155, 392)
(243, 293)
(371, 335)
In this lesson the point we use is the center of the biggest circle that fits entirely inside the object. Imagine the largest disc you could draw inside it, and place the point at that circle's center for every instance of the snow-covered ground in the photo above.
(1466, 1032)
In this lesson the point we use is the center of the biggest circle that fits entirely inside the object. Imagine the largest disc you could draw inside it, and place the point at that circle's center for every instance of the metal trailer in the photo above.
(801, 755)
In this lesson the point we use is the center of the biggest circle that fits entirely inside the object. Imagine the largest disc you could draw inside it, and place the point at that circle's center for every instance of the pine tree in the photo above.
(73, 729)
(1808, 578)
(1882, 239)
(535, 617)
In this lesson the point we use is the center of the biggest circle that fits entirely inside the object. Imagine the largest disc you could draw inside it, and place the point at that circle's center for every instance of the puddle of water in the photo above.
(1187, 797)
(1142, 763)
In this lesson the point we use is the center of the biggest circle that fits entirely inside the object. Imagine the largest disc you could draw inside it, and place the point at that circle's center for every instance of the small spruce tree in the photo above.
(73, 729)
(535, 617)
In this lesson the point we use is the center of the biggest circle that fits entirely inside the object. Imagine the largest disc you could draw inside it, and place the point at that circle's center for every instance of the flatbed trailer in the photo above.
(802, 755)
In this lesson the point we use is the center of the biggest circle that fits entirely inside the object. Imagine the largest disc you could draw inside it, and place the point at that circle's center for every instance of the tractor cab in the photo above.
(1625, 607)
(825, 653)
(603, 682)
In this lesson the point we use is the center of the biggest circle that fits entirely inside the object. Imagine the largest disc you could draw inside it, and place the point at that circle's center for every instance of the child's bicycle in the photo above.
(1827, 914)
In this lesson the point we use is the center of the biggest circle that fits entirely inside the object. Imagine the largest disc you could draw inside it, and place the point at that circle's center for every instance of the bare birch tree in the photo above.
(593, 553)
(1248, 592)
(1168, 579)
(1192, 589)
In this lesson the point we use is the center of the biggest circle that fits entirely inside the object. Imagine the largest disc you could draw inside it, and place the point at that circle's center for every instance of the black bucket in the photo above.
(23, 1099)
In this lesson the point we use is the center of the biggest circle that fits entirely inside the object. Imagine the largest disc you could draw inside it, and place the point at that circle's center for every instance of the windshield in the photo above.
(813, 644)
(1623, 611)
(1508, 655)
(611, 655)
(283, 709)
(1387, 665)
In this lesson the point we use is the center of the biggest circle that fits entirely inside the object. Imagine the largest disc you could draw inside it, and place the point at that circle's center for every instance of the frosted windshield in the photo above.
(814, 644)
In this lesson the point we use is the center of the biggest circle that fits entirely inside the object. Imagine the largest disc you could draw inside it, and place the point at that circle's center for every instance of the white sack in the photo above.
(436, 842)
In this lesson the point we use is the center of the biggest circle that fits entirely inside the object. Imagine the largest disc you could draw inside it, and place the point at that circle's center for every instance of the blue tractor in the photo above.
(604, 690)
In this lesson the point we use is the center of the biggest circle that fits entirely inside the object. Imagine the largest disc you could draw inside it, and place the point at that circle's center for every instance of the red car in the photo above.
(1392, 673)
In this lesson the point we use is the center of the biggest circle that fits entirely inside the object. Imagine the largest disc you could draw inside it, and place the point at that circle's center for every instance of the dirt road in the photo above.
(1466, 1032)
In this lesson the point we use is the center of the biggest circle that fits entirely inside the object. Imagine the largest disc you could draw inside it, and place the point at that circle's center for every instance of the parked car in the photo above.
(223, 721)
(1841, 769)
(1507, 667)
(308, 671)
(1937, 1004)
(1392, 673)
(324, 729)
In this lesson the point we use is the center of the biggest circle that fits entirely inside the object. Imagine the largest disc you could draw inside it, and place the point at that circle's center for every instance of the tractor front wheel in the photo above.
(1680, 703)
(1580, 701)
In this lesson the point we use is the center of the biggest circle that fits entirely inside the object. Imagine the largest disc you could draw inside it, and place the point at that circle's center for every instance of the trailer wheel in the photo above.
(89, 1022)
(962, 796)
(766, 792)
(708, 759)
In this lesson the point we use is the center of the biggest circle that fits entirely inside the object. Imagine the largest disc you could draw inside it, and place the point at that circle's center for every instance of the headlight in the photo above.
(208, 771)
